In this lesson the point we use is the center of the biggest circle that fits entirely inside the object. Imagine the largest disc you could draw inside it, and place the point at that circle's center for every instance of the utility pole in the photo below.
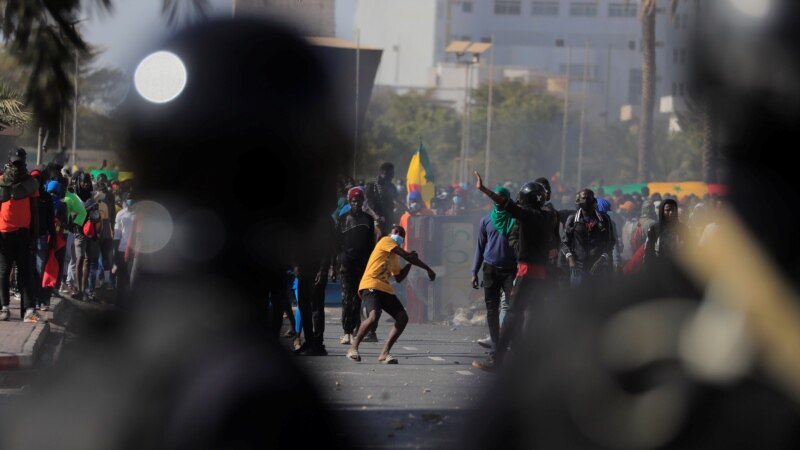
(75, 116)
(39, 144)
(565, 124)
(583, 114)
(358, 69)
(489, 115)
(608, 84)
(465, 125)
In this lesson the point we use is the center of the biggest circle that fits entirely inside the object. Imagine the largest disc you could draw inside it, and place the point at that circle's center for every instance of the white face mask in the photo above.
(397, 239)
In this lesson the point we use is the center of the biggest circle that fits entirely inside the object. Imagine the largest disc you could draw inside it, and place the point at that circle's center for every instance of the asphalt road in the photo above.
(425, 401)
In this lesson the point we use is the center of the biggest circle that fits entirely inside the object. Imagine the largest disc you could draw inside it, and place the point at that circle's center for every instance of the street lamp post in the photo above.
(475, 49)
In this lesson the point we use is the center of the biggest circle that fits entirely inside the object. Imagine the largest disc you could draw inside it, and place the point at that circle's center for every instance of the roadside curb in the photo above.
(21, 342)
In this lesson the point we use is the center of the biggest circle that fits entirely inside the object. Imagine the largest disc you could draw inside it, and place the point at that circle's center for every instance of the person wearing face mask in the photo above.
(378, 295)
(588, 240)
(123, 228)
(457, 207)
(416, 207)
(494, 254)
(535, 228)
(666, 236)
(106, 237)
(355, 239)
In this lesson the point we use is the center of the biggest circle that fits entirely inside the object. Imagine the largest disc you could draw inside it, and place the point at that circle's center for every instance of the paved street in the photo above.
(422, 402)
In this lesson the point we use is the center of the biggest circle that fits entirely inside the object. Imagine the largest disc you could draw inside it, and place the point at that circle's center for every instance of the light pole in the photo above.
(475, 49)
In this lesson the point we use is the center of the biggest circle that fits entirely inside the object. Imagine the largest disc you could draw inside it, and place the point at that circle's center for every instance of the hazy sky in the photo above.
(133, 28)
(136, 26)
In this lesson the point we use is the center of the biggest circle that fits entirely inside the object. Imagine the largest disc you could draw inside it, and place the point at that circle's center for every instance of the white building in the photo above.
(531, 39)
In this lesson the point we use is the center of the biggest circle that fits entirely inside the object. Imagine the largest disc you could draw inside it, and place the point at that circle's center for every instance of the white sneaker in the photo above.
(486, 342)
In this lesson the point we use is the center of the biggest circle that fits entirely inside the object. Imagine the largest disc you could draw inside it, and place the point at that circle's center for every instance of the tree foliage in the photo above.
(526, 139)
(44, 37)
(393, 126)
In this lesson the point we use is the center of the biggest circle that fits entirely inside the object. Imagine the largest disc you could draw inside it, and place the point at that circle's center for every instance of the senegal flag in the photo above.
(420, 176)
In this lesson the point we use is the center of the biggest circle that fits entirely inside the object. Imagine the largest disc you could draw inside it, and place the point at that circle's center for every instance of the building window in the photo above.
(684, 21)
(683, 56)
(466, 7)
(676, 21)
(622, 10)
(487, 39)
(508, 7)
(583, 9)
(635, 86)
(631, 45)
(559, 42)
(675, 53)
(544, 9)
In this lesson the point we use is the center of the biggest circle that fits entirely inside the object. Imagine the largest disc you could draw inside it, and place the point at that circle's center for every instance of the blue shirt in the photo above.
(492, 248)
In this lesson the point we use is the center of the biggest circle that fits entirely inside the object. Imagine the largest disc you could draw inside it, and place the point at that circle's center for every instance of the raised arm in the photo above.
(497, 198)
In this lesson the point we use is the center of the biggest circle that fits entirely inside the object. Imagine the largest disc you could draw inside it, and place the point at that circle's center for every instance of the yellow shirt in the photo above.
(382, 265)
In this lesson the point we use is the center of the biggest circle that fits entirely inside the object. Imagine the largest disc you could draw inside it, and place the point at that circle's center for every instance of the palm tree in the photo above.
(647, 15)
(12, 113)
(645, 142)
(43, 36)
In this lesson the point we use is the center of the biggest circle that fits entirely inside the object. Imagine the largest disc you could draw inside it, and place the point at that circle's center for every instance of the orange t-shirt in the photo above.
(16, 214)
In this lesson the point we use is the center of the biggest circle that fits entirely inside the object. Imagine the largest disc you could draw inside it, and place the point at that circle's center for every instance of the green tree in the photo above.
(393, 126)
(526, 130)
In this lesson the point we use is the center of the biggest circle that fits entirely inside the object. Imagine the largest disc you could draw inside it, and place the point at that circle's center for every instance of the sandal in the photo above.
(353, 354)
(388, 360)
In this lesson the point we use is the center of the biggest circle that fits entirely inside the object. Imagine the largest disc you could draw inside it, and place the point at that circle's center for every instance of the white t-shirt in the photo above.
(124, 227)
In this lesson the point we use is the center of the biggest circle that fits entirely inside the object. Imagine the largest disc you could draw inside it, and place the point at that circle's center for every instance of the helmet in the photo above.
(532, 194)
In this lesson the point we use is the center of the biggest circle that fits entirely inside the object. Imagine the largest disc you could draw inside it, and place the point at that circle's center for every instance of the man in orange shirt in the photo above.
(416, 207)
(19, 223)
(377, 295)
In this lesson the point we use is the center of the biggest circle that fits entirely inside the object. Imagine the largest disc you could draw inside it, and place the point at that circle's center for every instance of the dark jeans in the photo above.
(495, 281)
(122, 275)
(15, 247)
(41, 255)
(90, 263)
(350, 277)
(62, 268)
(106, 252)
(311, 301)
(527, 292)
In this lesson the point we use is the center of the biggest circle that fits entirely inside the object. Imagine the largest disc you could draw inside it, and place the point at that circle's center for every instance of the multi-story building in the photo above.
(544, 39)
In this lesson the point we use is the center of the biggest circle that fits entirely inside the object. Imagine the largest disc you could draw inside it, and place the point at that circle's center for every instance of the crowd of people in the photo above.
(533, 243)
(526, 243)
(61, 233)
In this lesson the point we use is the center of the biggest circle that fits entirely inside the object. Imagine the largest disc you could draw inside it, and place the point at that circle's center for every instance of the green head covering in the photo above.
(501, 219)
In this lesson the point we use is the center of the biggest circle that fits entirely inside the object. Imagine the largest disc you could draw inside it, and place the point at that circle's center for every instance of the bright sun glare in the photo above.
(160, 77)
